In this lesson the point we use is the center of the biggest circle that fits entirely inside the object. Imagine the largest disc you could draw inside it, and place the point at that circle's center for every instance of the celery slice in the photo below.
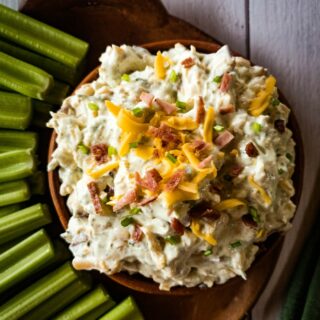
(17, 164)
(25, 259)
(41, 38)
(38, 292)
(84, 305)
(126, 310)
(23, 221)
(10, 209)
(14, 192)
(99, 311)
(24, 78)
(15, 111)
(11, 140)
(41, 113)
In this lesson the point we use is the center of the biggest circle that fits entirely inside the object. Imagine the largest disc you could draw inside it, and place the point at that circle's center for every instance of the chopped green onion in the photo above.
(112, 151)
(280, 171)
(125, 77)
(92, 106)
(133, 145)
(217, 79)
(218, 128)
(83, 149)
(256, 127)
(236, 244)
(171, 157)
(135, 210)
(254, 214)
(289, 156)
(105, 199)
(173, 76)
(181, 105)
(208, 252)
(127, 221)
(173, 240)
(275, 102)
(137, 112)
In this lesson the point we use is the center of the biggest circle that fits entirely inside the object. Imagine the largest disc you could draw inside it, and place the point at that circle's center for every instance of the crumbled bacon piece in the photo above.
(100, 152)
(229, 108)
(280, 125)
(147, 98)
(174, 180)
(167, 107)
(204, 210)
(150, 181)
(248, 221)
(188, 62)
(225, 82)
(205, 162)
(147, 200)
(177, 226)
(94, 194)
(251, 150)
(137, 234)
(223, 139)
(199, 145)
(201, 112)
(129, 197)
(235, 170)
(165, 133)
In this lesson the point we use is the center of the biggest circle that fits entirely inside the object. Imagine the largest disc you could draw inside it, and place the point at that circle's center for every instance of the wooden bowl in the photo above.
(228, 301)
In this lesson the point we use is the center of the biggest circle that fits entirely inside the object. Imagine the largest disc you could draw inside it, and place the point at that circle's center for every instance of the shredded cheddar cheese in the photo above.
(144, 152)
(98, 172)
(126, 123)
(181, 123)
(208, 125)
(114, 109)
(195, 228)
(266, 198)
(159, 68)
(228, 204)
(126, 139)
(177, 195)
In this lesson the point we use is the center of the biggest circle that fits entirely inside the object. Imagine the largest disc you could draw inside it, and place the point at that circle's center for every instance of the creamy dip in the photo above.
(175, 165)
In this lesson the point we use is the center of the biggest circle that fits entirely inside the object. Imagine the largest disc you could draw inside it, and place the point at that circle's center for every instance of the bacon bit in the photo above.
(235, 170)
(251, 150)
(167, 107)
(199, 145)
(150, 181)
(94, 194)
(204, 210)
(280, 126)
(248, 221)
(188, 63)
(147, 98)
(177, 226)
(225, 82)
(100, 152)
(137, 234)
(174, 180)
(147, 200)
(156, 153)
(230, 108)
(201, 112)
(130, 197)
(205, 162)
(223, 139)
(165, 133)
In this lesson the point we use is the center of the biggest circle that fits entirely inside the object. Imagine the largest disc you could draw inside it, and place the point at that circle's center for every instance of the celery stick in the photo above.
(41, 38)
(37, 183)
(55, 68)
(84, 305)
(24, 78)
(41, 113)
(99, 311)
(57, 93)
(25, 259)
(14, 192)
(60, 300)
(38, 292)
(11, 140)
(10, 209)
(15, 111)
(17, 164)
(23, 221)
(126, 310)
(6, 246)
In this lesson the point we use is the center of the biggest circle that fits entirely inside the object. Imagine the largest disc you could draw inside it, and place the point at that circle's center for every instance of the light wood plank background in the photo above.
(283, 35)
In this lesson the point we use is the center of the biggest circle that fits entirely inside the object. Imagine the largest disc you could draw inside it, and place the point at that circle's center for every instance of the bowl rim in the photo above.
(137, 282)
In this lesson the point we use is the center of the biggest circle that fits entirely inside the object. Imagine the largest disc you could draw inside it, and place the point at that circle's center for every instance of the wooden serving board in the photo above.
(104, 22)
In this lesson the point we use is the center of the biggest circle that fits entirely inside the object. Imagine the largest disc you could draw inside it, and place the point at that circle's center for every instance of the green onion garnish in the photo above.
(173, 239)
(133, 145)
(171, 157)
(83, 149)
(235, 244)
(137, 112)
(280, 171)
(105, 199)
(254, 214)
(181, 105)
(256, 127)
(173, 76)
(217, 79)
(218, 128)
(275, 102)
(208, 252)
(112, 151)
(92, 106)
(135, 210)
(289, 156)
(127, 221)
(125, 77)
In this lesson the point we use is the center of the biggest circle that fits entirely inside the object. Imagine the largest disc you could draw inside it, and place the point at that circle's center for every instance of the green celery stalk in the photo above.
(24, 78)
(41, 38)
(41, 113)
(60, 300)
(99, 311)
(10, 209)
(17, 164)
(23, 221)
(37, 183)
(38, 292)
(14, 192)
(84, 305)
(126, 310)
(11, 140)
(55, 68)
(15, 111)
(25, 259)
(57, 93)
